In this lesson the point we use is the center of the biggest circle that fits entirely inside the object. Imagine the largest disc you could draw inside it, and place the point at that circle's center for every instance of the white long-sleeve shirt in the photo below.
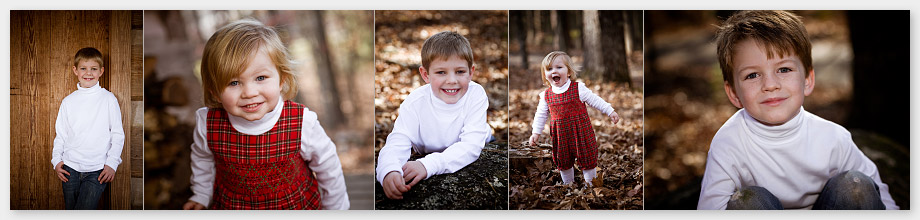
(315, 147)
(584, 94)
(89, 131)
(793, 160)
(453, 134)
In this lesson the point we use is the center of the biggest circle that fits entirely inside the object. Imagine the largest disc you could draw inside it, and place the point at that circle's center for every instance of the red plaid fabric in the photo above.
(261, 171)
(570, 129)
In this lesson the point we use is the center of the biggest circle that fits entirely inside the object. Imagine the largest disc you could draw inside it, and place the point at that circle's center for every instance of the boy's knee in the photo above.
(852, 182)
(850, 190)
(753, 197)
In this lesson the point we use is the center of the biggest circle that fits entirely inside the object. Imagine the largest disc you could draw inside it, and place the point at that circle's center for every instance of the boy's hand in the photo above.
(533, 139)
(414, 171)
(107, 175)
(192, 205)
(59, 169)
(615, 117)
(394, 185)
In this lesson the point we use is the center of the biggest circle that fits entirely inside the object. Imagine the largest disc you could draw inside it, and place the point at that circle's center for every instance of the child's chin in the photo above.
(251, 116)
(254, 117)
(450, 99)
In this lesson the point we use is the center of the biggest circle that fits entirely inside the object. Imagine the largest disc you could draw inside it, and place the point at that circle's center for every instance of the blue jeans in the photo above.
(82, 190)
(845, 191)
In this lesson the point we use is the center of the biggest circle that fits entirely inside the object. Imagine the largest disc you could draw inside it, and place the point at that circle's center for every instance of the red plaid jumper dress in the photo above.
(261, 171)
(570, 129)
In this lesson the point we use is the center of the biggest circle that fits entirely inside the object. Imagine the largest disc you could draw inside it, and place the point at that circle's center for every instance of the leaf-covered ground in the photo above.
(399, 39)
(536, 184)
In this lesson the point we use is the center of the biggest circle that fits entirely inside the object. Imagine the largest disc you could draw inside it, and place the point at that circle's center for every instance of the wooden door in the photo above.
(42, 46)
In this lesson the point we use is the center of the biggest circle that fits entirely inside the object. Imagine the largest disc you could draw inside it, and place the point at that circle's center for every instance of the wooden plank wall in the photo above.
(42, 45)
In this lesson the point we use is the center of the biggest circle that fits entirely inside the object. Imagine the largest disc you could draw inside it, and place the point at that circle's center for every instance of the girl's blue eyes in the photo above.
(259, 78)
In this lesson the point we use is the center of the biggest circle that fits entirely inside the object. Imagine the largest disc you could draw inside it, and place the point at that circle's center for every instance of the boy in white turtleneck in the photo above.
(772, 154)
(89, 140)
(445, 119)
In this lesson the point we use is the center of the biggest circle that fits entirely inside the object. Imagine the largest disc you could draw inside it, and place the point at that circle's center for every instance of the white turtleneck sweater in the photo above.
(793, 160)
(452, 135)
(584, 94)
(89, 130)
(315, 147)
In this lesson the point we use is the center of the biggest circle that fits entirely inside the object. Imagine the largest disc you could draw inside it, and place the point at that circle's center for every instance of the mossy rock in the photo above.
(481, 185)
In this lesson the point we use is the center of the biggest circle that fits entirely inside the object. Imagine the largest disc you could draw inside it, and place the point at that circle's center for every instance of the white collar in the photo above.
(94, 88)
(563, 88)
(257, 127)
(783, 133)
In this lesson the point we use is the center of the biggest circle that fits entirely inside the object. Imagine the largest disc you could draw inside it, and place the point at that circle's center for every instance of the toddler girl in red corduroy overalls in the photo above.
(570, 127)
(254, 148)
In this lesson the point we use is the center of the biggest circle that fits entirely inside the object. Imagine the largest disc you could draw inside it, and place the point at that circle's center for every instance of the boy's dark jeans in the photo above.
(82, 190)
(845, 191)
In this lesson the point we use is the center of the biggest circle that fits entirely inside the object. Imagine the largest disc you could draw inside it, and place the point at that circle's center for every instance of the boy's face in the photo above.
(88, 72)
(254, 92)
(771, 90)
(557, 73)
(449, 78)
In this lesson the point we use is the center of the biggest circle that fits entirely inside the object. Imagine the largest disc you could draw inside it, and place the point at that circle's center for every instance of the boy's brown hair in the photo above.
(229, 51)
(548, 60)
(445, 44)
(778, 32)
(87, 53)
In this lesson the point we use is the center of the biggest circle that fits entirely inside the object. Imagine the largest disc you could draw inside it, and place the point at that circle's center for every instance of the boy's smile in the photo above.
(88, 73)
(557, 73)
(771, 89)
(256, 91)
(449, 78)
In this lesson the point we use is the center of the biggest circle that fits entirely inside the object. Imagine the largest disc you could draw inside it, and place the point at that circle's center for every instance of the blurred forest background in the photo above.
(607, 47)
(856, 54)
(399, 39)
(334, 53)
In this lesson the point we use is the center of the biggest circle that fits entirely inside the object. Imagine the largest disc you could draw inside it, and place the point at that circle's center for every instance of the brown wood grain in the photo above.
(43, 44)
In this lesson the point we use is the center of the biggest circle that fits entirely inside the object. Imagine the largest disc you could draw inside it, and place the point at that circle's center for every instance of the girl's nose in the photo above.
(249, 91)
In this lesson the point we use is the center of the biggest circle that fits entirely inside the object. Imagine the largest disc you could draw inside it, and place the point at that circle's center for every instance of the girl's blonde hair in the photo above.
(548, 60)
(229, 51)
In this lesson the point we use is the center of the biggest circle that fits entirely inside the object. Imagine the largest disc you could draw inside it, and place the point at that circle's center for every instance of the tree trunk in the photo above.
(592, 45)
(521, 36)
(614, 44)
(878, 58)
(557, 23)
(325, 69)
(635, 30)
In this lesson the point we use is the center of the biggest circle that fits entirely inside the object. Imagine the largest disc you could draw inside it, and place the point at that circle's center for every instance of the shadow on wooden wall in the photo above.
(42, 47)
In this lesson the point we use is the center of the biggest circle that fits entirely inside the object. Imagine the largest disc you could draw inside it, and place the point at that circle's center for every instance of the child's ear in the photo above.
(730, 92)
(472, 71)
(424, 73)
(810, 82)
(101, 71)
(74, 70)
